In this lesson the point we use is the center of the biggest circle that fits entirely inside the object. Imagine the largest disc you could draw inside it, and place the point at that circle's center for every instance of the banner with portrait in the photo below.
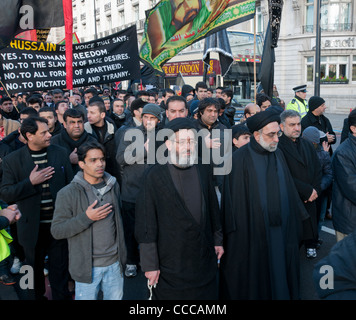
(173, 25)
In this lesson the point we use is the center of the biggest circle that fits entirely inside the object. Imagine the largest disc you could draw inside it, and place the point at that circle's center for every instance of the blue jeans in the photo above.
(109, 279)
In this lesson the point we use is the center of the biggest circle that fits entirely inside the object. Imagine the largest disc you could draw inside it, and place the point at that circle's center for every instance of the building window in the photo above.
(109, 22)
(334, 15)
(309, 18)
(121, 18)
(334, 68)
(310, 69)
(136, 13)
(354, 68)
(259, 20)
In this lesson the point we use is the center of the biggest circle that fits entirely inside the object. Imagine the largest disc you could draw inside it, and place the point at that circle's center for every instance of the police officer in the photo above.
(299, 103)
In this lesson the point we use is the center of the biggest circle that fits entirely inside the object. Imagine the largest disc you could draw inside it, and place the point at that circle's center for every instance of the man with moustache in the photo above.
(261, 232)
(136, 150)
(32, 177)
(315, 117)
(186, 224)
(176, 107)
(213, 132)
(103, 130)
(304, 165)
(73, 135)
(8, 110)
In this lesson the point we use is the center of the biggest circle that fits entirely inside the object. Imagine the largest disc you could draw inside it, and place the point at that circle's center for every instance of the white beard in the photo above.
(183, 161)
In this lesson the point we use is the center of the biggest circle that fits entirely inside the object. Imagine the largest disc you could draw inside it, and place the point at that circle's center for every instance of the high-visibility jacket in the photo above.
(5, 239)
(299, 106)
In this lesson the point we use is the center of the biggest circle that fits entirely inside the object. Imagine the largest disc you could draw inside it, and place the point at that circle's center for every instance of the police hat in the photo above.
(302, 88)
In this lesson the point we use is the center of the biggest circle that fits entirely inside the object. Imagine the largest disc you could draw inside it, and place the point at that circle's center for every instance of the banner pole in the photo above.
(8, 94)
(254, 57)
(68, 22)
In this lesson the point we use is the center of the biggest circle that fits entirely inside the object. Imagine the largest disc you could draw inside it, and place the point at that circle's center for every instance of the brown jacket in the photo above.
(10, 125)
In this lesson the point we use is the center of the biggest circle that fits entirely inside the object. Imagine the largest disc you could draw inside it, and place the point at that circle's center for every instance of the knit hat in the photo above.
(239, 130)
(153, 109)
(194, 107)
(95, 99)
(137, 104)
(352, 118)
(312, 134)
(315, 102)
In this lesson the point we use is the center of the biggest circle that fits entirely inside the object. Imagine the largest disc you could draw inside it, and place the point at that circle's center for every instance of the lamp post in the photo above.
(95, 29)
(317, 51)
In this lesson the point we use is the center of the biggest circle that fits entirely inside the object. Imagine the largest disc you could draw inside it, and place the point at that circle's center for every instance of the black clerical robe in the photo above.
(261, 261)
(180, 239)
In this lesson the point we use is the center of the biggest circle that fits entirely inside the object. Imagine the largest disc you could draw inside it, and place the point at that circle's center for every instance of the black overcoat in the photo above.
(245, 272)
(187, 259)
(322, 123)
(305, 167)
(16, 187)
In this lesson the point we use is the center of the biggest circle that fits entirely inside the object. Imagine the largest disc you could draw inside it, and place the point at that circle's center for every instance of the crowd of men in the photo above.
(96, 183)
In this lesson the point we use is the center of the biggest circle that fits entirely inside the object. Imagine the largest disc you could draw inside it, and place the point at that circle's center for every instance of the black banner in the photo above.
(31, 66)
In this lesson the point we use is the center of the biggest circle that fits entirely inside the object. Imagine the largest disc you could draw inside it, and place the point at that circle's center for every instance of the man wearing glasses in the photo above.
(178, 223)
(262, 219)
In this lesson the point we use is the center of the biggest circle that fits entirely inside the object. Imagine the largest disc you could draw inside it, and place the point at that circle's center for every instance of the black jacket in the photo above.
(14, 115)
(132, 157)
(345, 130)
(10, 143)
(16, 187)
(223, 150)
(118, 120)
(341, 263)
(227, 118)
(62, 139)
(110, 145)
(344, 186)
(58, 127)
(305, 168)
(321, 122)
(303, 164)
(327, 173)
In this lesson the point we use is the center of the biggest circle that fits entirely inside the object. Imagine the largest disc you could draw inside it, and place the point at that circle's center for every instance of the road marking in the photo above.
(328, 230)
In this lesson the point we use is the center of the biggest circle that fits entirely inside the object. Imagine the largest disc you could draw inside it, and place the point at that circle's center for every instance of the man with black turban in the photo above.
(262, 219)
(178, 223)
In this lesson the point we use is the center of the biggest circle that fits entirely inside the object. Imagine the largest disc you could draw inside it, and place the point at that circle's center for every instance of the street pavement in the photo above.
(136, 288)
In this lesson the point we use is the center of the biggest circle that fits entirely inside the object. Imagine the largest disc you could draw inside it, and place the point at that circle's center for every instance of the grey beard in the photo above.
(188, 162)
(266, 146)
